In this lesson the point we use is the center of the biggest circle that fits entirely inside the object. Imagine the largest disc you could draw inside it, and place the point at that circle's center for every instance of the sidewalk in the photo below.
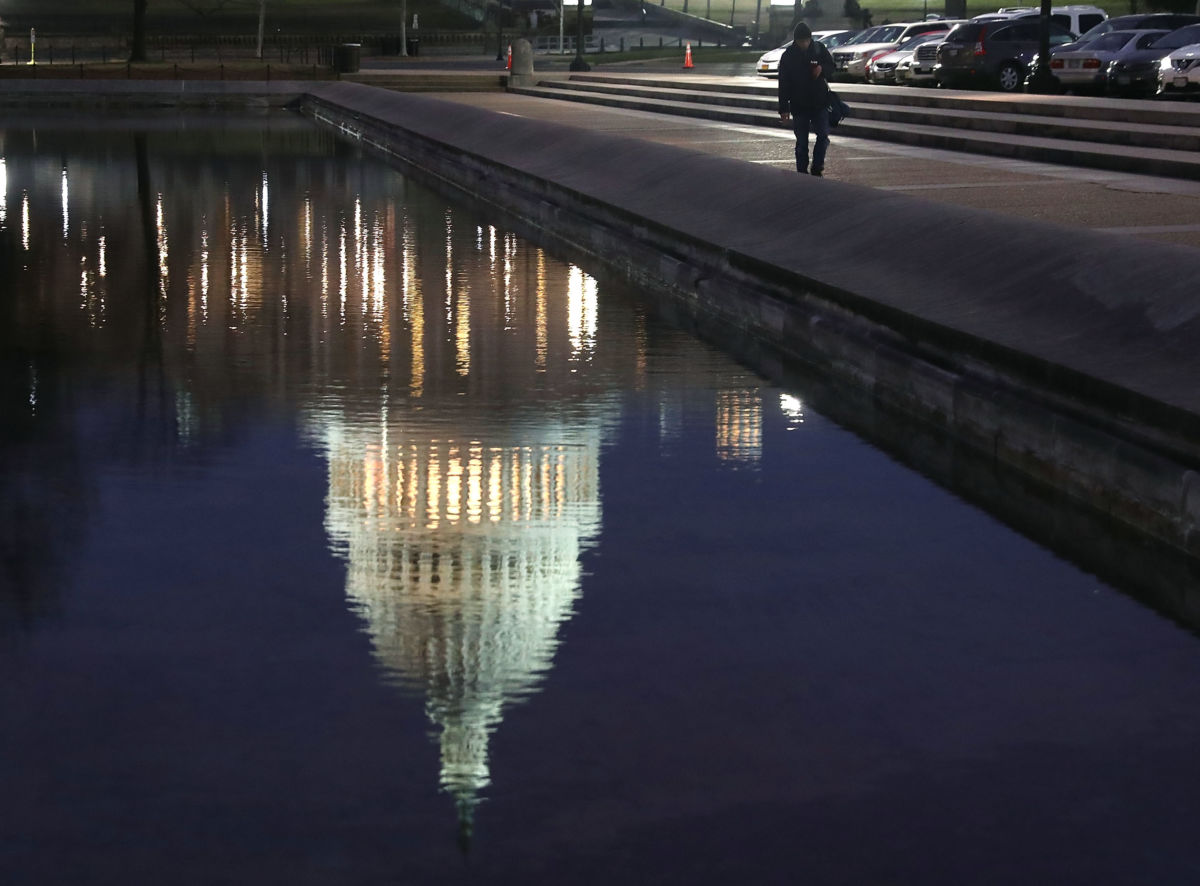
(1121, 203)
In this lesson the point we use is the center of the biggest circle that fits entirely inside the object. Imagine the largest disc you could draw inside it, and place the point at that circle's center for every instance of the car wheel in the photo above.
(1010, 77)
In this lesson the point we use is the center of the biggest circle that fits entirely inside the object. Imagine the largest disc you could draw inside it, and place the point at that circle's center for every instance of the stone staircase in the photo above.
(1127, 135)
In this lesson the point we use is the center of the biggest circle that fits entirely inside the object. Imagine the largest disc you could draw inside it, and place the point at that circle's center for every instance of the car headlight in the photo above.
(1165, 64)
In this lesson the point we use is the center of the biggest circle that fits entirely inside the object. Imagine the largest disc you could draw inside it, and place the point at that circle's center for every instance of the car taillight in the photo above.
(979, 50)
(1091, 62)
(1056, 63)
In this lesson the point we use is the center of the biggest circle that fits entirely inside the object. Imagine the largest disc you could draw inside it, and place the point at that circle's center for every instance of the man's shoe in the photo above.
(817, 172)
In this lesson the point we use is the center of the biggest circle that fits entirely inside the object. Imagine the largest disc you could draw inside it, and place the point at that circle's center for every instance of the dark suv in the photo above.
(993, 52)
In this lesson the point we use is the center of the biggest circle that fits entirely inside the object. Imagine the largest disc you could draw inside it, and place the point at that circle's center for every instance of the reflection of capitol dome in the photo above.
(463, 559)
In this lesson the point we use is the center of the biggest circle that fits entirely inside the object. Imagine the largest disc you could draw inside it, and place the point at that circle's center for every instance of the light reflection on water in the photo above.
(458, 382)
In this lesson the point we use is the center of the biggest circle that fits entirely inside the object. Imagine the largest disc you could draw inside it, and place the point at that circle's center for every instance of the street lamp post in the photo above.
(578, 64)
(1042, 80)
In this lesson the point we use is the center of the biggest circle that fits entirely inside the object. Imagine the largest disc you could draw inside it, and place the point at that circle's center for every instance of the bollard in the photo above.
(601, 44)
(641, 42)
(175, 71)
(622, 44)
(660, 43)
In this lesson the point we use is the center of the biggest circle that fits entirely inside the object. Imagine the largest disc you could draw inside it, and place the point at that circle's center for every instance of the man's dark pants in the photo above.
(804, 121)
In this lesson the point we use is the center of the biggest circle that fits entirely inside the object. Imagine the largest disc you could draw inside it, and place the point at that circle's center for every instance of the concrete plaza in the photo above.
(1144, 206)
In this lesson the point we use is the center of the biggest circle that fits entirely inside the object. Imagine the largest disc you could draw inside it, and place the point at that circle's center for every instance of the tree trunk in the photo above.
(137, 51)
(403, 27)
(262, 18)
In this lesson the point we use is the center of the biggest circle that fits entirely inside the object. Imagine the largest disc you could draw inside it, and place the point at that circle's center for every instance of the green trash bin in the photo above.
(347, 57)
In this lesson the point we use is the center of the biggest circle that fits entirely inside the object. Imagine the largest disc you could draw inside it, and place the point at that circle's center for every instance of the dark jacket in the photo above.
(798, 89)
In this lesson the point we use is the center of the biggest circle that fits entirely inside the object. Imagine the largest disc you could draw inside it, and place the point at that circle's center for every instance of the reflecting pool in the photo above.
(347, 537)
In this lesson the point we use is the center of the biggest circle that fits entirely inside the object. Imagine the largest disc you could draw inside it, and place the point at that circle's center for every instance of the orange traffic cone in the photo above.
(687, 58)
(508, 66)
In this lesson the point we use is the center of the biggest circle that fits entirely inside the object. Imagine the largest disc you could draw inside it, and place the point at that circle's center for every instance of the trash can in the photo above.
(347, 57)
(413, 45)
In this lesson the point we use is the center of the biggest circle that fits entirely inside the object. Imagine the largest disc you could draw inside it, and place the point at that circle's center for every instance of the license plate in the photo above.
(1181, 82)
(1073, 63)
(1123, 79)
(923, 70)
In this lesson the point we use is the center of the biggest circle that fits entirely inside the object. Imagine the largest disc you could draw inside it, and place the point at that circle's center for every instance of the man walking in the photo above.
(804, 73)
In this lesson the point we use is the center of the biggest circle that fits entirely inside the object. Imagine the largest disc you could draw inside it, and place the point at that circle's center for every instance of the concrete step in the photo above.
(1143, 111)
(948, 135)
(977, 116)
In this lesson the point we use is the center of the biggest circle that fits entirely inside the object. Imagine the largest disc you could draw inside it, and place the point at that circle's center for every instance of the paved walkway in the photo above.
(1129, 205)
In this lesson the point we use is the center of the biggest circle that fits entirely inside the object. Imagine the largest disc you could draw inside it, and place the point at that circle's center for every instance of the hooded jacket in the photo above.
(798, 89)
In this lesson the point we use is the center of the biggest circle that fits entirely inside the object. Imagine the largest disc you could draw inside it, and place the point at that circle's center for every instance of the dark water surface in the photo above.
(349, 539)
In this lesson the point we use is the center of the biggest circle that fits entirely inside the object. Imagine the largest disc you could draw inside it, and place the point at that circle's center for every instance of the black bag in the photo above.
(838, 109)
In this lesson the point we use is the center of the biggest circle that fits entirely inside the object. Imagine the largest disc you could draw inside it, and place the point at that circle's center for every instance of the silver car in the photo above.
(1086, 68)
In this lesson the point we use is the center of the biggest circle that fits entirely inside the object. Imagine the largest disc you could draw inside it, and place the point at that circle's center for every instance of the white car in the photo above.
(852, 57)
(886, 68)
(1180, 71)
(768, 62)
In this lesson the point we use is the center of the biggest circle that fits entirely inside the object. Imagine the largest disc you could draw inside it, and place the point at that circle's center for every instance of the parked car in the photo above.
(885, 68)
(995, 52)
(851, 58)
(1155, 21)
(1137, 72)
(1180, 71)
(768, 63)
(919, 70)
(1083, 67)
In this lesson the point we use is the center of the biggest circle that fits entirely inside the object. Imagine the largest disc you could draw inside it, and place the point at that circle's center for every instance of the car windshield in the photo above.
(889, 34)
(1110, 42)
(837, 39)
(867, 36)
(914, 42)
(1099, 31)
(1183, 37)
(965, 33)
